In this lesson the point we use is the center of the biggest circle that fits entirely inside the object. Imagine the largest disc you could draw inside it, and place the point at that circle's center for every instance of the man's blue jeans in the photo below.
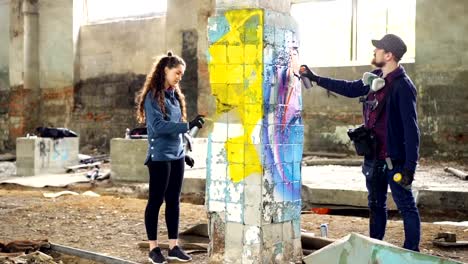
(378, 178)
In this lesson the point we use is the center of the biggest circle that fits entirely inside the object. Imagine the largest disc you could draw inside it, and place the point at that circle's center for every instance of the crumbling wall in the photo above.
(114, 60)
(4, 72)
(104, 107)
(442, 77)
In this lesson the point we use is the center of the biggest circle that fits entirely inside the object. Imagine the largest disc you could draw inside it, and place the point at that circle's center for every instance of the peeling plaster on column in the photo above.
(217, 190)
(235, 192)
(234, 212)
(252, 235)
(216, 206)
(258, 133)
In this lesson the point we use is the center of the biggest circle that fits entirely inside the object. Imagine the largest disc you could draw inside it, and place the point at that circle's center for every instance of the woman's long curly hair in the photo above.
(155, 83)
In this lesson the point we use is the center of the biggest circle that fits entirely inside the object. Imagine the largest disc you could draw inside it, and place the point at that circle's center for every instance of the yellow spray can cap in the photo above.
(397, 177)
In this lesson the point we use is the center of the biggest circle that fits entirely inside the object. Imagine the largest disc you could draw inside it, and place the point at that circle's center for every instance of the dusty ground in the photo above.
(113, 225)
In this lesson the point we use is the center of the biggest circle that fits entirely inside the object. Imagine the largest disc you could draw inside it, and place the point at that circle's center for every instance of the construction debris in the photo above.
(448, 239)
(22, 258)
(85, 159)
(88, 255)
(311, 161)
(25, 246)
(460, 174)
(25, 251)
(74, 168)
(57, 194)
(311, 242)
(324, 154)
(7, 157)
(356, 248)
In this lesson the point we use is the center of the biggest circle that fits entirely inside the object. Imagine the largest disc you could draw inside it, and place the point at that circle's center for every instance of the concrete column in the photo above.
(31, 64)
(31, 44)
(255, 148)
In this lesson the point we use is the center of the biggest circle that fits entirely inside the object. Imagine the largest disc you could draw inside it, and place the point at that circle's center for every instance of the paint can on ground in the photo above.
(324, 230)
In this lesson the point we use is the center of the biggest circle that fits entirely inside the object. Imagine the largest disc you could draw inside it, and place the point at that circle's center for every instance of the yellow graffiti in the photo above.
(236, 79)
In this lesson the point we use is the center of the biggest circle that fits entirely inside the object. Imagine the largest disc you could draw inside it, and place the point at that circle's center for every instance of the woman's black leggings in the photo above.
(165, 183)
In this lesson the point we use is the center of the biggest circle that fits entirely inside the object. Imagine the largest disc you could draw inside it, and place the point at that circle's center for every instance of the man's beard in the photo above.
(378, 64)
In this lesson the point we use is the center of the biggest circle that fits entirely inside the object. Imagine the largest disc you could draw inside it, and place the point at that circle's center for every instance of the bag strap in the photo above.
(383, 104)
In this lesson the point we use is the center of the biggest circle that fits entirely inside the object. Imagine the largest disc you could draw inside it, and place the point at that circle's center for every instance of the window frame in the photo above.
(354, 59)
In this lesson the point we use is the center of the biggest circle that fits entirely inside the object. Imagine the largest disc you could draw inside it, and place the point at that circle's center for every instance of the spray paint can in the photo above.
(324, 230)
(306, 82)
(194, 131)
(397, 177)
(127, 133)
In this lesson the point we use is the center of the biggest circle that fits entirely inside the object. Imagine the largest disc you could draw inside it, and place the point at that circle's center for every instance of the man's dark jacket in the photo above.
(402, 135)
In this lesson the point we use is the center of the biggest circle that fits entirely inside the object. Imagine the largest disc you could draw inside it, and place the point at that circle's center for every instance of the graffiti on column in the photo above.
(235, 64)
(53, 150)
(268, 107)
(44, 150)
(283, 127)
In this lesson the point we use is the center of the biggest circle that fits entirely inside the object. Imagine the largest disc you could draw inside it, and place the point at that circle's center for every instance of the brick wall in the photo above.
(104, 107)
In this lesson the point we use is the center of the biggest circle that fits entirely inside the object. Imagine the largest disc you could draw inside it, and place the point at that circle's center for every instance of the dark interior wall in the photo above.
(442, 76)
(114, 59)
(189, 82)
(4, 73)
(104, 108)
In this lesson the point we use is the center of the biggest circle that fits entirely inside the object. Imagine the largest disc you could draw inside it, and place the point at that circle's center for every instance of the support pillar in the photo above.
(25, 93)
(255, 148)
(31, 44)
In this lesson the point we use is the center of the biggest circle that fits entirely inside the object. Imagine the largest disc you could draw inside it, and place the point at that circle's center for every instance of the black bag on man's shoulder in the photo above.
(363, 139)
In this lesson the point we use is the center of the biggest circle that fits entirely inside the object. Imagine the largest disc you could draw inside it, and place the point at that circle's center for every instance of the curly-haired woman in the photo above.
(161, 105)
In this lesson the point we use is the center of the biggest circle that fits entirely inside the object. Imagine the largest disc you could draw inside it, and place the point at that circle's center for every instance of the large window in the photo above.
(339, 32)
(108, 10)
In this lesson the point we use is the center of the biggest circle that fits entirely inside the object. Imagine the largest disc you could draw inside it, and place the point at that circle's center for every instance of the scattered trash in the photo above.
(138, 133)
(83, 157)
(58, 194)
(74, 168)
(93, 174)
(86, 159)
(91, 194)
(7, 157)
(448, 239)
(127, 133)
(55, 195)
(460, 174)
(324, 230)
(22, 258)
(52, 132)
(464, 223)
(25, 246)
(320, 210)
(7, 169)
(313, 161)
(96, 174)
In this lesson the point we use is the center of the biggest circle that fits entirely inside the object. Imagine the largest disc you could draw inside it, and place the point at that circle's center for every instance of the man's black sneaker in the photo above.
(176, 253)
(156, 257)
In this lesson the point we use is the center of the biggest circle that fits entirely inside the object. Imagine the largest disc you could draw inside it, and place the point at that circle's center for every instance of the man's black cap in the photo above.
(391, 43)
